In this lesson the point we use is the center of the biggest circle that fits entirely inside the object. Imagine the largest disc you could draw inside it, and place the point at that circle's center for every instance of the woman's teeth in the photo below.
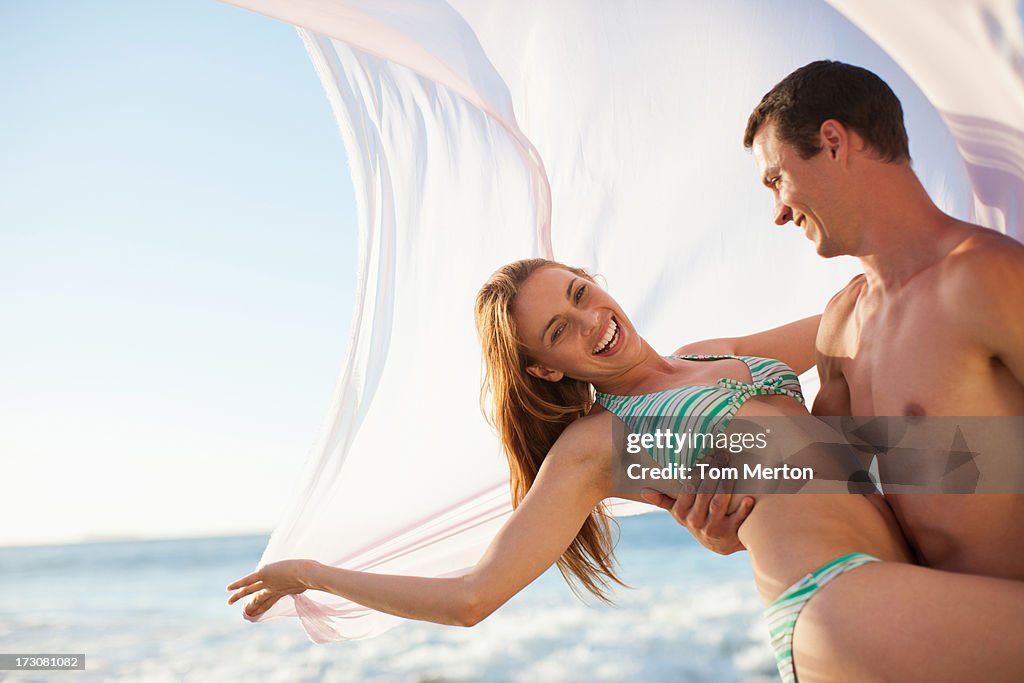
(610, 335)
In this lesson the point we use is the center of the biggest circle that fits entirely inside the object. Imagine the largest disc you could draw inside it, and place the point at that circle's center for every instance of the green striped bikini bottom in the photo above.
(782, 614)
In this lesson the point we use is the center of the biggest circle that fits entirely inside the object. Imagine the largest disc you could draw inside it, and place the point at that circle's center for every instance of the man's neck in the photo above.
(903, 234)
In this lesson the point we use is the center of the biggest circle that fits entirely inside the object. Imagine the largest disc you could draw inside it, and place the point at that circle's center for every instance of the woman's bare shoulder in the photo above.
(591, 429)
(587, 441)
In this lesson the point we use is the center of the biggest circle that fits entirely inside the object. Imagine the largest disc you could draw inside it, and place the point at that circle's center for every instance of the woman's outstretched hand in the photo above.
(271, 583)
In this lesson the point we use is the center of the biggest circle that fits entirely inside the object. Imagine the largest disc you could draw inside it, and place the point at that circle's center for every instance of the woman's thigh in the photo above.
(887, 621)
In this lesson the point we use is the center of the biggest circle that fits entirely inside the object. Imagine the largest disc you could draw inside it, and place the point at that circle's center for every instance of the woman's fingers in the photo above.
(246, 580)
(271, 582)
(261, 603)
(248, 590)
(253, 608)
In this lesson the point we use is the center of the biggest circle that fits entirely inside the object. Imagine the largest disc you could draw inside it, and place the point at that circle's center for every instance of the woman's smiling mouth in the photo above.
(610, 339)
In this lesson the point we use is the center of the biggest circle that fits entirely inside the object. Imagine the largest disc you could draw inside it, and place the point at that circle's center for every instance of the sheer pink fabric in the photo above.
(608, 135)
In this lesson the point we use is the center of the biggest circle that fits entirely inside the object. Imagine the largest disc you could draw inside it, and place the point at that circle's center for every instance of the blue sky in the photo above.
(177, 254)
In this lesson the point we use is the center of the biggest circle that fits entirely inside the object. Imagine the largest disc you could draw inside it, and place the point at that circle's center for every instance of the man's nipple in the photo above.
(914, 410)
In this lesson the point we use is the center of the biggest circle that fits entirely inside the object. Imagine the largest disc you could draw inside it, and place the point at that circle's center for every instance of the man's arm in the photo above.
(792, 343)
(832, 346)
(988, 296)
(798, 344)
(704, 511)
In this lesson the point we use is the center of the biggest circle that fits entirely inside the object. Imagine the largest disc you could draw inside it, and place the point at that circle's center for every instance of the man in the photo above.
(934, 326)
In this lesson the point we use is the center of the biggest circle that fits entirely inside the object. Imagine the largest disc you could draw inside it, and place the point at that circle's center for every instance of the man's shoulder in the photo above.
(982, 246)
(848, 295)
(837, 315)
(980, 286)
(985, 264)
(844, 301)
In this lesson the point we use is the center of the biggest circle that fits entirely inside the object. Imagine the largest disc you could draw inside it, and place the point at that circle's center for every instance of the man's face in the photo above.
(804, 190)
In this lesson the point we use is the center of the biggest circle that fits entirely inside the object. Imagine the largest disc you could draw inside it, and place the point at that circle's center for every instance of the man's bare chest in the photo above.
(904, 358)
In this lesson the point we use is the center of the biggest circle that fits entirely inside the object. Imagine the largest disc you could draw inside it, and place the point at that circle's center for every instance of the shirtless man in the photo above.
(934, 325)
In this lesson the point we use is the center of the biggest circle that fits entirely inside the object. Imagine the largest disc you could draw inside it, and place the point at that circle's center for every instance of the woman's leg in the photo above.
(887, 621)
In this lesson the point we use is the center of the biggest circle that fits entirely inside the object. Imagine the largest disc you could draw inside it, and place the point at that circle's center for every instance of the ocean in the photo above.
(153, 611)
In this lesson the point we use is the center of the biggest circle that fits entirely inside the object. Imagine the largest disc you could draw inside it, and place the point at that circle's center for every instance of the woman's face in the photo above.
(571, 327)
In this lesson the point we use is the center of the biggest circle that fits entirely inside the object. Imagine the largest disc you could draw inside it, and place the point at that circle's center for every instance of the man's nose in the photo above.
(783, 214)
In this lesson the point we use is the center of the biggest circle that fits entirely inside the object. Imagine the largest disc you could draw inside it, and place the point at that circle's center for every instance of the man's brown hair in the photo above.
(806, 98)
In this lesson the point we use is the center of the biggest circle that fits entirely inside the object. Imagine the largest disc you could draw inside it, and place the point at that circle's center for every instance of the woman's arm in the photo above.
(792, 343)
(571, 482)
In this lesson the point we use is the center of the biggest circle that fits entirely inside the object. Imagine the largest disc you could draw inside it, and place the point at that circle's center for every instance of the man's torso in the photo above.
(908, 353)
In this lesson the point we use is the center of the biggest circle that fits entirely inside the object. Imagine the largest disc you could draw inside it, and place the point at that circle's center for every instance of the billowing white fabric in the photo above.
(609, 135)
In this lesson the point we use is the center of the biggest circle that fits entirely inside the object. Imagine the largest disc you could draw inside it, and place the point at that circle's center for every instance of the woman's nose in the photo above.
(589, 320)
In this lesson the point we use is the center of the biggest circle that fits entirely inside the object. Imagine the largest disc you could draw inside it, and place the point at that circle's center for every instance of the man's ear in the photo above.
(835, 138)
(546, 374)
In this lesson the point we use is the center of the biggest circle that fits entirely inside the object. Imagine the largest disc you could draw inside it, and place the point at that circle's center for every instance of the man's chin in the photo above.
(827, 250)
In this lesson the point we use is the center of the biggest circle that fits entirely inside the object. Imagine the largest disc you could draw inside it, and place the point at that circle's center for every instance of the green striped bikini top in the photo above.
(700, 409)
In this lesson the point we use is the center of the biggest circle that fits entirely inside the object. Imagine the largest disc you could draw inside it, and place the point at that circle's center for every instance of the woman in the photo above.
(549, 334)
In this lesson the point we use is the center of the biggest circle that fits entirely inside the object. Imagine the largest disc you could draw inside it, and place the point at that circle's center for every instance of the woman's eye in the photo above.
(579, 293)
(557, 333)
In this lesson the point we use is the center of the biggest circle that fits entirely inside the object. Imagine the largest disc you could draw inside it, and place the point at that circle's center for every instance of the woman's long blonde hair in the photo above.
(530, 414)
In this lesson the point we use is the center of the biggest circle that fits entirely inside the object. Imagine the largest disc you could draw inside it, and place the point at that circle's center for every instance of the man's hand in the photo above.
(705, 512)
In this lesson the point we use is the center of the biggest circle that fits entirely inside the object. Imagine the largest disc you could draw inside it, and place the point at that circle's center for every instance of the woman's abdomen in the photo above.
(790, 535)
